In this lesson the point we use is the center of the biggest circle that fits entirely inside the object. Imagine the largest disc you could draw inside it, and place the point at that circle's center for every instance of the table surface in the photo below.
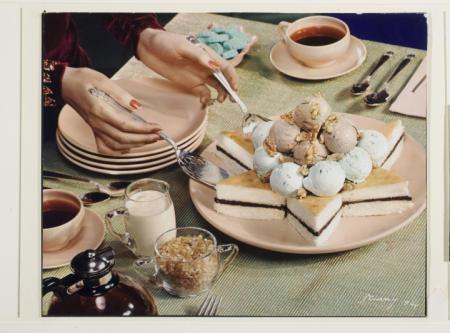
(387, 278)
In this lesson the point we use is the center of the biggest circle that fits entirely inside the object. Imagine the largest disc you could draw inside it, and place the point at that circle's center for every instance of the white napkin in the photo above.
(412, 101)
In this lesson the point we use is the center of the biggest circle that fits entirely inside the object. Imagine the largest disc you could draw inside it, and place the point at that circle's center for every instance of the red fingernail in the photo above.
(213, 64)
(135, 104)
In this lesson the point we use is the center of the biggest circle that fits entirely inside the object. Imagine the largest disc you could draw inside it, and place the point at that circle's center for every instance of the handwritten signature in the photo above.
(390, 302)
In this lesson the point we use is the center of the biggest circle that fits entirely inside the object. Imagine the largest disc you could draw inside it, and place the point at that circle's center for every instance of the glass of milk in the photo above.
(147, 213)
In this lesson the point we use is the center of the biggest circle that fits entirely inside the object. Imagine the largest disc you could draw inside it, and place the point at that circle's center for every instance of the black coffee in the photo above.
(317, 35)
(56, 212)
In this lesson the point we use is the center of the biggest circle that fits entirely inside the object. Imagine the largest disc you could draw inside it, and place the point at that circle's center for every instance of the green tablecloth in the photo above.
(387, 278)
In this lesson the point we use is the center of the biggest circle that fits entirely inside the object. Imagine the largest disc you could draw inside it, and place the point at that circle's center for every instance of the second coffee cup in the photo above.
(147, 212)
(62, 218)
(316, 41)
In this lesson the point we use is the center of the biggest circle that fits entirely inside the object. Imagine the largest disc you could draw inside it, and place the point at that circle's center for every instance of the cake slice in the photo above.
(246, 196)
(395, 134)
(382, 193)
(315, 218)
(236, 151)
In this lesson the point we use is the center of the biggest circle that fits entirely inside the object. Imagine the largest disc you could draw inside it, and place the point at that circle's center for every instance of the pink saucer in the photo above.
(286, 64)
(90, 237)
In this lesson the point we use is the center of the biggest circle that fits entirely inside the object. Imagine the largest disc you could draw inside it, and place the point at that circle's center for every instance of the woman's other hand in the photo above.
(174, 57)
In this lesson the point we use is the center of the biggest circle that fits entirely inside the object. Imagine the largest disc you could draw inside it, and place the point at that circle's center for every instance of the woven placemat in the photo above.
(387, 278)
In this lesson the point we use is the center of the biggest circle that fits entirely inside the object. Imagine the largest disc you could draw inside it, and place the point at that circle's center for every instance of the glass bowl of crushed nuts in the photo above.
(187, 261)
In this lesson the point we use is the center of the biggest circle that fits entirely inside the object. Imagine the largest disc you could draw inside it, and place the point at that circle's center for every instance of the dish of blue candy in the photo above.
(230, 42)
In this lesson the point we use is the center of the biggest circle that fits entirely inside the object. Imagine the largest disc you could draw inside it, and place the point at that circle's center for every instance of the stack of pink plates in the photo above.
(178, 112)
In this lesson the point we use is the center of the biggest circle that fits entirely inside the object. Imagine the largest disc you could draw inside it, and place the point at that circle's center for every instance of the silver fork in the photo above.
(250, 120)
(192, 164)
(209, 306)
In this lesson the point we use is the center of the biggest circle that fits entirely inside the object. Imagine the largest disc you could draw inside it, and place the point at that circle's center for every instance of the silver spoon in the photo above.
(114, 189)
(90, 198)
(360, 88)
(195, 166)
(382, 95)
(250, 120)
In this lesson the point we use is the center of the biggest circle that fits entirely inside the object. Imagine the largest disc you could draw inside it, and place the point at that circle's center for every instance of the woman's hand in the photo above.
(174, 57)
(114, 132)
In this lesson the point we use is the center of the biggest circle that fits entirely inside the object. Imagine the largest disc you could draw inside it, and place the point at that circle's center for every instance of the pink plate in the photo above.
(179, 113)
(351, 233)
(119, 162)
(90, 237)
(135, 170)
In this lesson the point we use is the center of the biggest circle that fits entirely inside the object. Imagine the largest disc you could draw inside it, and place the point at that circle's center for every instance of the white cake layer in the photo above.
(376, 192)
(249, 194)
(258, 213)
(314, 220)
(387, 165)
(374, 208)
(235, 150)
(230, 165)
(308, 236)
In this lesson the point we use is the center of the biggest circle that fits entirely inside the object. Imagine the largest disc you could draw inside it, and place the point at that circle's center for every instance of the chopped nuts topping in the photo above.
(314, 132)
(315, 110)
(304, 171)
(301, 193)
(288, 117)
(310, 154)
(270, 146)
(302, 136)
(328, 125)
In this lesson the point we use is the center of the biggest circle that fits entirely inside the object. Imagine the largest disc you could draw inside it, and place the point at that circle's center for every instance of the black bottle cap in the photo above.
(92, 264)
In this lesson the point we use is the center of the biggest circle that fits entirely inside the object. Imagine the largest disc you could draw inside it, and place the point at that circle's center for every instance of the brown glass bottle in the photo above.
(95, 290)
(122, 300)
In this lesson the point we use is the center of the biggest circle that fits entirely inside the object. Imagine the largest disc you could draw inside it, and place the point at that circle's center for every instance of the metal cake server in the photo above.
(192, 164)
(361, 87)
(382, 95)
(250, 120)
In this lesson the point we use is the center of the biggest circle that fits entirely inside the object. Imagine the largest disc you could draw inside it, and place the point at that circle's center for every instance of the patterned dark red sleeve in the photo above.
(127, 27)
(52, 72)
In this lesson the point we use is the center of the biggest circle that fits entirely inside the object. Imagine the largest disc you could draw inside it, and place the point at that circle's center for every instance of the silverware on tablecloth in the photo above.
(114, 189)
(89, 198)
(361, 87)
(422, 80)
(250, 120)
(192, 164)
(382, 95)
(209, 306)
